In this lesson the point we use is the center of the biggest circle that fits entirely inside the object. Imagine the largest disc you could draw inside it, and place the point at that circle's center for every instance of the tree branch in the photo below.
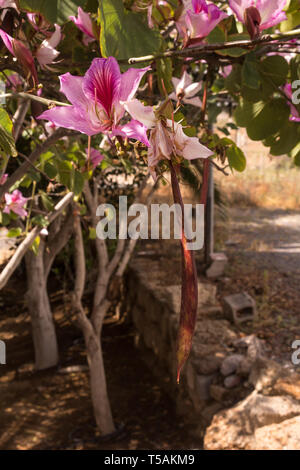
(211, 48)
(28, 241)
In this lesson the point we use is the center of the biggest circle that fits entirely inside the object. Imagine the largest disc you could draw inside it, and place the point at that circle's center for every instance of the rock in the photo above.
(244, 367)
(230, 364)
(207, 365)
(219, 393)
(289, 385)
(282, 436)
(232, 381)
(254, 346)
(203, 383)
(240, 308)
(234, 428)
(264, 374)
(218, 265)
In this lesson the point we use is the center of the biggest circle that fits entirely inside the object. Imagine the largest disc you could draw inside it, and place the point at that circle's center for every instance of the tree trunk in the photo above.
(43, 329)
(101, 405)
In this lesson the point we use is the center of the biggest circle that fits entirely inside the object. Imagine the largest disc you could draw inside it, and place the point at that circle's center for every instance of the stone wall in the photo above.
(154, 310)
(227, 387)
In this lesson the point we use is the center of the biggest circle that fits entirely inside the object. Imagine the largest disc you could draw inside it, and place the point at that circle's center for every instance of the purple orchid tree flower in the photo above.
(295, 115)
(95, 157)
(22, 53)
(85, 24)
(8, 4)
(258, 15)
(186, 89)
(15, 202)
(38, 22)
(46, 53)
(166, 138)
(3, 178)
(96, 101)
(202, 19)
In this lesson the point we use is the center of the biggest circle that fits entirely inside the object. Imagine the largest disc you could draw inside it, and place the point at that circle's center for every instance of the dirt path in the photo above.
(263, 247)
(270, 238)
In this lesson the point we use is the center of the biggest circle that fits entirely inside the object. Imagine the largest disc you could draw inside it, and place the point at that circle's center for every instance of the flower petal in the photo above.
(193, 101)
(134, 130)
(141, 113)
(130, 81)
(71, 86)
(192, 89)
(101, 82)
(70, 118)
(83, 22)
(8, 41)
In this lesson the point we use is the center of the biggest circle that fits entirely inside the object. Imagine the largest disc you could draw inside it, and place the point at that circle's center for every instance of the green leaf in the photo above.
(5, 120)
(7, 143)
(125, 34)
(236, 158)
(55, 11)
(286, 140)
(46, 8)
(250, 72)
(50, 170)
(35, 245)
(92, 233)
(14, 232)
(268, 119)
(47, 202)
(275, 68)
(78, 183)
(4, 219)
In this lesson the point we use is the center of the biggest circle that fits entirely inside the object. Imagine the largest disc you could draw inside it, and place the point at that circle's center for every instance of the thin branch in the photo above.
(57, 240)
(19, 117)
(28, 241)
(29, 96)
(211, 48)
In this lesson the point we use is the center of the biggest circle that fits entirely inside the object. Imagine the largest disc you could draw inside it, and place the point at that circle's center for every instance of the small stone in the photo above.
(244, 367)
(231, 363)
(218, 393)
(232, 381)
(203, 383)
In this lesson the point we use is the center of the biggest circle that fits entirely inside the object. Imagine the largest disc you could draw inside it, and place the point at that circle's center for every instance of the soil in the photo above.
(52, 410)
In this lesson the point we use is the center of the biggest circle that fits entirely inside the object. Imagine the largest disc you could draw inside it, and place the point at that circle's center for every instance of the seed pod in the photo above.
(189, 288)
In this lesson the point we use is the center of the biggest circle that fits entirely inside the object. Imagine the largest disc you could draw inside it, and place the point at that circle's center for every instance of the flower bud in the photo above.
(252, 21)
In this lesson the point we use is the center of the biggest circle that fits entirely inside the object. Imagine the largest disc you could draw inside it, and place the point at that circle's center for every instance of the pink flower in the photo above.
(167, 139)
(38, 22)
(96, 101)
(85, 24)
(270, 13)
(22, 53)
(295, 116)
(7, 4)
(47, 53)
(95, 156)
(226, 71)
(14, 81)
(202, 19)
(15, 202)
(3, 179)
(185, 90)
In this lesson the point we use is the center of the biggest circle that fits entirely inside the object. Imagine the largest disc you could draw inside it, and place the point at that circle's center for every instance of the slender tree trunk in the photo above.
(43, 329)
(101, 404)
